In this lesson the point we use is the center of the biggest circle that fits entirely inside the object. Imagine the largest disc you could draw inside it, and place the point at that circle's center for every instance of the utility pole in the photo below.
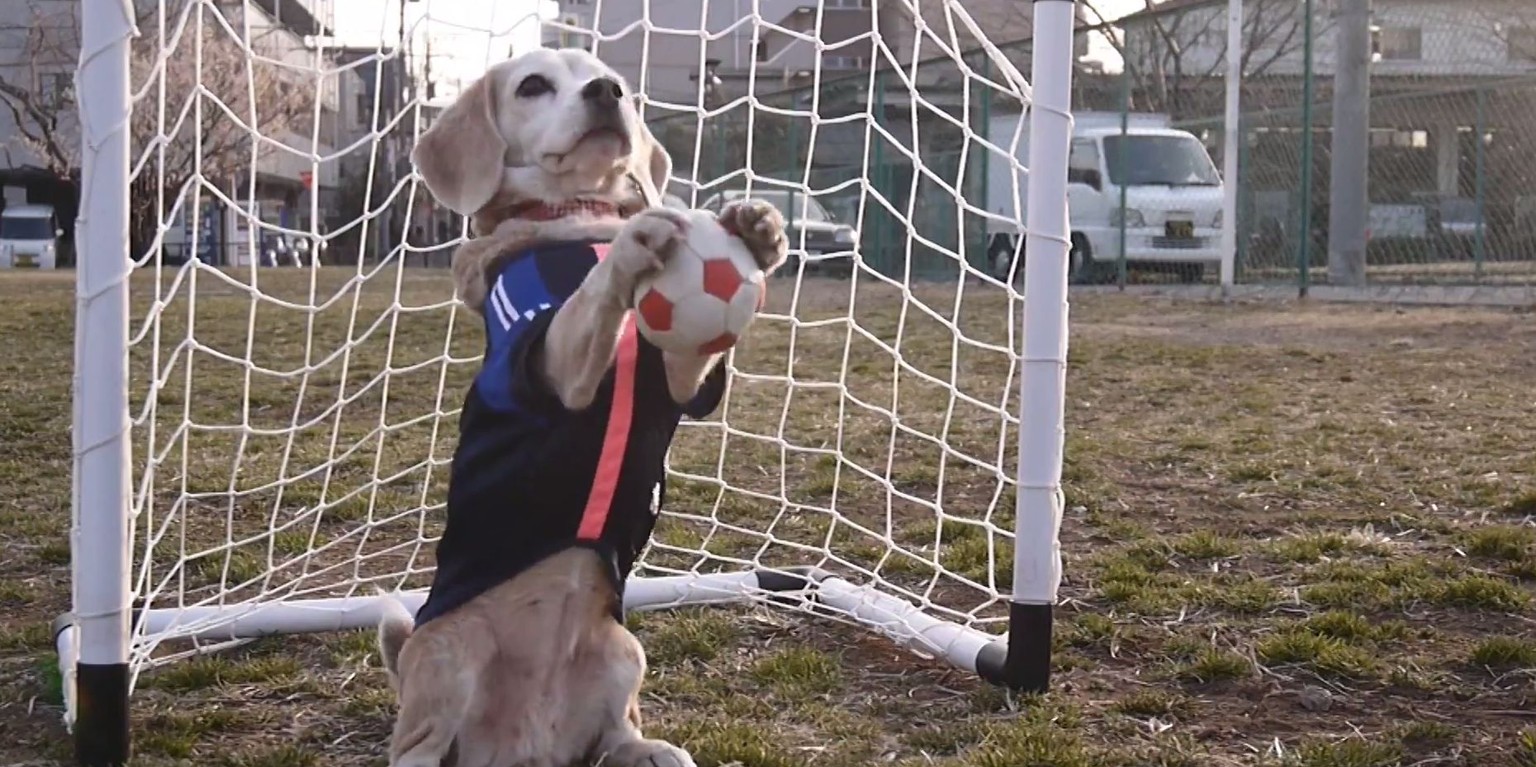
(397, 146)
(1349, 190)
(1231, 144)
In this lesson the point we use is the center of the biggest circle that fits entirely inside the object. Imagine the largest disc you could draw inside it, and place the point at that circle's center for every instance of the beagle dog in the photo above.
(519, 656)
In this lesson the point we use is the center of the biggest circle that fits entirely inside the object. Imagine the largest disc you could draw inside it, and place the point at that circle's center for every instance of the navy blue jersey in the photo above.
(530, 478)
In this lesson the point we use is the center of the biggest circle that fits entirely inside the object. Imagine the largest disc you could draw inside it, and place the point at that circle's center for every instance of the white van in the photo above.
(1173, 198)
(29, 237)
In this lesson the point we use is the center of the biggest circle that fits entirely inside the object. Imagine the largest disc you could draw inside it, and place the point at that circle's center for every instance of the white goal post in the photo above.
(261, 451)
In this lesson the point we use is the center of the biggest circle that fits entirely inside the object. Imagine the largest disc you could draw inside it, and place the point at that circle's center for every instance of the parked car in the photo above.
(1458, 222)
(1171, 189)
(29, 237)
(812, 230)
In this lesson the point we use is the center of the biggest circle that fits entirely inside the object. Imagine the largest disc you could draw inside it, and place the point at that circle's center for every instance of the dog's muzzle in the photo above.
(604, 98)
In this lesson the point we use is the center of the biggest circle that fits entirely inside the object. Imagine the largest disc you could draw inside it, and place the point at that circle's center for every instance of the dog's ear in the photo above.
(461, 156)
(654, 165)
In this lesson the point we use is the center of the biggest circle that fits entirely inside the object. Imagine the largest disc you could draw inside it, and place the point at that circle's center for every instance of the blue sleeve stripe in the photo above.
(495, 300)
(518, 297)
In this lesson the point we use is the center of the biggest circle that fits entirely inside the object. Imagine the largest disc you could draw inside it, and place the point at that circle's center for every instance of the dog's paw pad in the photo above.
(654, 233)
(674, 758)
(761, 227)
(649, 753)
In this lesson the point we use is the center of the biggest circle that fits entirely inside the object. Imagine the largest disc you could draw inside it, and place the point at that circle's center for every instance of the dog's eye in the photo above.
(534, 85)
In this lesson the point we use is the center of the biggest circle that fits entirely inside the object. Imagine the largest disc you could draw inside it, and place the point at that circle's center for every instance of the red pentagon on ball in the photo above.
(722, 279)
(657, 310)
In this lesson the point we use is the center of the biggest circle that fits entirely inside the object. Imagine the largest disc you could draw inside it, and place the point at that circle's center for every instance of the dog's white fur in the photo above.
(536, 672)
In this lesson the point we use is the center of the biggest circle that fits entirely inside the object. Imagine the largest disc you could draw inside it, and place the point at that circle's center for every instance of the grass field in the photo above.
(1296, 535)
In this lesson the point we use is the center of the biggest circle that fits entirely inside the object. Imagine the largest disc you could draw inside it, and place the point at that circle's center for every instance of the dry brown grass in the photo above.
(1303, 525)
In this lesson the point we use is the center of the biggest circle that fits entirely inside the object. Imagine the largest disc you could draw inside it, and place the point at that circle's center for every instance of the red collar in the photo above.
(538, 210)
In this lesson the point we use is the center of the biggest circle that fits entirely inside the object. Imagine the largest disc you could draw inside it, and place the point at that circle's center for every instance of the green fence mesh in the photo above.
(1452, 112)
(895, 154)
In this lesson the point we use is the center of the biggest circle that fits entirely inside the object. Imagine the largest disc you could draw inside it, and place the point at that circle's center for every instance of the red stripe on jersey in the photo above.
(621, 414)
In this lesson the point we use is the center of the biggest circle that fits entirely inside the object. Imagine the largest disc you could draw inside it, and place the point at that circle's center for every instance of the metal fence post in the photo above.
(1480, 253)
(1308, 84)
(984, 167)
(1121, 159)
(1231, 150)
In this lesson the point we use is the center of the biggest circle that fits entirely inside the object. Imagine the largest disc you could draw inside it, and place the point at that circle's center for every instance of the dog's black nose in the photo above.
(602, 91)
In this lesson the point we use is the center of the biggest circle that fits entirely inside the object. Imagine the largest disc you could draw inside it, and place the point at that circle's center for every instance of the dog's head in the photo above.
(547, 126)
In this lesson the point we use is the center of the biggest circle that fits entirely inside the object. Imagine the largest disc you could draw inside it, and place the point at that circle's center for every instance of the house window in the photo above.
(1522, 44)
(364, 113)
(856, 4)
(1400, 44)
(842, 62)
(760, 49)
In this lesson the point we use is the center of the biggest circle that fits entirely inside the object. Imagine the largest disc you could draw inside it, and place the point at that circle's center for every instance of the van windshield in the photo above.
(1160, 161)
(19, 228)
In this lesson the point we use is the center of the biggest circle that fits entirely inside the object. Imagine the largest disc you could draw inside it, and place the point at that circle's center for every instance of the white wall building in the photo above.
(39, 54)
(1423, 38)
(665, 53)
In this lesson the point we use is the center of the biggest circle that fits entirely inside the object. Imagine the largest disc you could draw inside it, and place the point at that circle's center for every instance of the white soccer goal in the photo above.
(262, 450)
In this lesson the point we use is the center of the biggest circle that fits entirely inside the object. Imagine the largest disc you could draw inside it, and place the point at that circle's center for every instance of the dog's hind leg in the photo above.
(621, 743)
(440, 685)
(425, 733)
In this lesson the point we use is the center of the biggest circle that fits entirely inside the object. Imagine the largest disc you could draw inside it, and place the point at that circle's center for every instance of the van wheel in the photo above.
(1000, 253)
(1081, 268)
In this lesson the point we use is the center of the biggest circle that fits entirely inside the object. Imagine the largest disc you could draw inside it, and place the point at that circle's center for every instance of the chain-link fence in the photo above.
(1452, 114)
(896, 155)
(1451, 120)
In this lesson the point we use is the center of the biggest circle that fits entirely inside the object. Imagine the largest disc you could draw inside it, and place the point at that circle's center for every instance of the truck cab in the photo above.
(29, 237)
(1172, 195)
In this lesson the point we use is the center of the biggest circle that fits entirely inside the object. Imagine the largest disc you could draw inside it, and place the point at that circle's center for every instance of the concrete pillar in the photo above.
(1447, 142)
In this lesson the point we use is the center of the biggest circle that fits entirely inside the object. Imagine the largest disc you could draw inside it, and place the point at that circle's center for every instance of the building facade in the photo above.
(1429, 61)
(664, 54)
(296, 172)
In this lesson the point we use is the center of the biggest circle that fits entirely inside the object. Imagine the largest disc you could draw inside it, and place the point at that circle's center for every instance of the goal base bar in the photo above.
(1019, 660)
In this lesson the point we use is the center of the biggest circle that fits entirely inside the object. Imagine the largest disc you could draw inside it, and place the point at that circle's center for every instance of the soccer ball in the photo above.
(710, 290)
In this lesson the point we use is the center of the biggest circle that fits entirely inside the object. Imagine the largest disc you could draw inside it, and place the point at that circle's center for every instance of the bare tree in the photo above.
(38, 91)
(1515, 26)
(202, 94)
(1174, 50)
(1508, 109)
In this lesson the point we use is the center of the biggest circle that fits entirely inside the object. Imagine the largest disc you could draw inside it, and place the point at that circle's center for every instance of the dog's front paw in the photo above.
(648, 753)
(642, 247)
(761, 227)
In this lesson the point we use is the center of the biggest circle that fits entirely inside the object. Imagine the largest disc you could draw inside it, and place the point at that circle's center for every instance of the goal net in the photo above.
(271, 359)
